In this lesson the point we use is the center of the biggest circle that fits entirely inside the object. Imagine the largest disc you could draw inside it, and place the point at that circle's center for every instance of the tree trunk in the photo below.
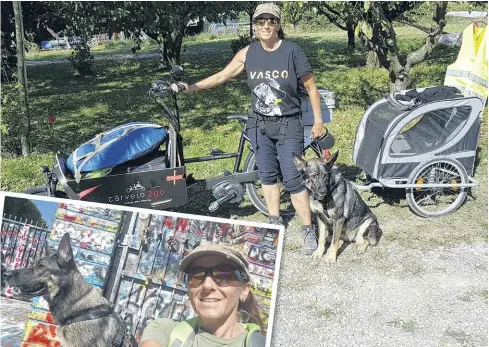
(398, 82)
(372, 62)
(251, 24)
(22, 80)
(175, 47)
(163, 47)
(351, 37)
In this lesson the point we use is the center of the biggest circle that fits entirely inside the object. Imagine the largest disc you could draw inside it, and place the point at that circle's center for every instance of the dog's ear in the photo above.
(299, 162)
(46, 250)
(65, 253)
(332, 158)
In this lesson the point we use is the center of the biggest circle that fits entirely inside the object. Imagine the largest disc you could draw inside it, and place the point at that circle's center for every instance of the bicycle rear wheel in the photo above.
(255, 192)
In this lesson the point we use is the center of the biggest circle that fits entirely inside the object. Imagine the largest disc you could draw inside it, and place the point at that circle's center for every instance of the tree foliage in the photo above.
(87, 18)
(37, 17)
(9, 53)
(167, 22)
(344, 14)
(23, 209)
(247, 7)
(377, 34)
(293, 12)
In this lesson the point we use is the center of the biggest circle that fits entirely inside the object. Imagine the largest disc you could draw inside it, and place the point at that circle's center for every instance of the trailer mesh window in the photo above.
(430, 131)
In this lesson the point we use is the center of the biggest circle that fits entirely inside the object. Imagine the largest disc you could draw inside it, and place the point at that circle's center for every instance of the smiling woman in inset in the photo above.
(279, 74)
(219, 290)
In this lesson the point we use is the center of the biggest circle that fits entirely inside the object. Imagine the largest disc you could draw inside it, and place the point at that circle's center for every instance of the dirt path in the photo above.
(391, 296)
(425, 284)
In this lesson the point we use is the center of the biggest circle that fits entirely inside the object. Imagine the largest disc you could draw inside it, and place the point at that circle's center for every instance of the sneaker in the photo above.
(310, 241)
(276, 220)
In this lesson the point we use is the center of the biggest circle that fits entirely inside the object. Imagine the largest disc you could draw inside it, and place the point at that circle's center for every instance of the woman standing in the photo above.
(219, 290)
(276, 69)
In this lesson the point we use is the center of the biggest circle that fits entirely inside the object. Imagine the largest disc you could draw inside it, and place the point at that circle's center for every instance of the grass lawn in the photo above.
(117, 93)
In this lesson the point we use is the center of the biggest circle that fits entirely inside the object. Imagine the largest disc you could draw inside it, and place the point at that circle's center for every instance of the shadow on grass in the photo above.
(389, 196)
(200, 205)
(117, 93)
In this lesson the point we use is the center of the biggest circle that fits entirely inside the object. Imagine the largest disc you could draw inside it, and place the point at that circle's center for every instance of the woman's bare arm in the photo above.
(310, 85)
(233, 69)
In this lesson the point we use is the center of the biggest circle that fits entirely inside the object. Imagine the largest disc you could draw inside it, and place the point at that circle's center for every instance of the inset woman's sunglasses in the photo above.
(221, 274)
(261, 21)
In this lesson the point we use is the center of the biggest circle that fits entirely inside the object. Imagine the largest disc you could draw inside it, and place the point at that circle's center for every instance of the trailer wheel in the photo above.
(430, 201)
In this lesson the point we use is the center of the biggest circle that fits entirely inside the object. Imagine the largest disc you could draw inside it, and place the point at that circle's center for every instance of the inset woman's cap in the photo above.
(269, 8)
(233, 253)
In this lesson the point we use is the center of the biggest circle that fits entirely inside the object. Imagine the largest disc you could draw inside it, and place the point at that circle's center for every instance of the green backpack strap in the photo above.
(254, 338)
(182, 332)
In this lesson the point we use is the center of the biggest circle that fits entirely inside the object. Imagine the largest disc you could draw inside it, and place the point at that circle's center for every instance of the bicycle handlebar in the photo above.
(164, 88)
(161, 87)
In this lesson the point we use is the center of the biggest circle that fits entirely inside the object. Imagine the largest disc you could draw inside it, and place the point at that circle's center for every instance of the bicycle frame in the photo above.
(177, 157)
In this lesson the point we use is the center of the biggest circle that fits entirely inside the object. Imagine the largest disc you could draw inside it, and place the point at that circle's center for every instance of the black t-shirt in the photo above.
(274, 81)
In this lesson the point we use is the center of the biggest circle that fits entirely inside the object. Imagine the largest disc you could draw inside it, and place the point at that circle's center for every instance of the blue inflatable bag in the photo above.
(116, 146)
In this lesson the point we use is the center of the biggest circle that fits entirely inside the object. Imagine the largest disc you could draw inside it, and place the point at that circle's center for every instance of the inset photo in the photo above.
(85, 274)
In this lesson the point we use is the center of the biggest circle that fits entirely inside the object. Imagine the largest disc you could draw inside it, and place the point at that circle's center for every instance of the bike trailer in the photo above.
(116, 146)
(407, 128)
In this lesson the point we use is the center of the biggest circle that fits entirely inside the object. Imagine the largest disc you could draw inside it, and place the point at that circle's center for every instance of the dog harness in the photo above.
(123, 337)
(185, 331)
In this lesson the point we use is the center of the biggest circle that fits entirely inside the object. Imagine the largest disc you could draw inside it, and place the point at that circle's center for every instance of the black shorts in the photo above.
(273, 158)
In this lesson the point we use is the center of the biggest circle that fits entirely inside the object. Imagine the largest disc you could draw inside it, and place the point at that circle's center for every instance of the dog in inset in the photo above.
(338, 207)
(85, 317)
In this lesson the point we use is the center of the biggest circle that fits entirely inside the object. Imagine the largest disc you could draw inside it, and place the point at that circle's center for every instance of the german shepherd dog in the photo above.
(85, 317)
(338, 207)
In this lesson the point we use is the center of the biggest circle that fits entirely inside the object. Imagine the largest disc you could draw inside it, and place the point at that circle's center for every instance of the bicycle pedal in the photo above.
(216, 151)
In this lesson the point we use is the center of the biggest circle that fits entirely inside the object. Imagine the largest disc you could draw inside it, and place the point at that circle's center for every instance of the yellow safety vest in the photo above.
(469, 72)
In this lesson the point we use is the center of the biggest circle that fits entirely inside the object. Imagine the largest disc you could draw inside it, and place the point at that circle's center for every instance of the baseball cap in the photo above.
(231, 252)
(269, 8)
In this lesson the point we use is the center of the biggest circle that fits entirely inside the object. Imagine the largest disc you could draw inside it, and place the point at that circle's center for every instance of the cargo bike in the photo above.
(143, 164)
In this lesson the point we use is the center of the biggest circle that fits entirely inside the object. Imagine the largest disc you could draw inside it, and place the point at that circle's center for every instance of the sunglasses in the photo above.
(262, 21)
(221, 274)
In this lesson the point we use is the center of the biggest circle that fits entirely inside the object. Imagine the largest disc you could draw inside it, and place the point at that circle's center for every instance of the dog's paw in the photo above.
(362, 248)
(330, 258)
(318, 253)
